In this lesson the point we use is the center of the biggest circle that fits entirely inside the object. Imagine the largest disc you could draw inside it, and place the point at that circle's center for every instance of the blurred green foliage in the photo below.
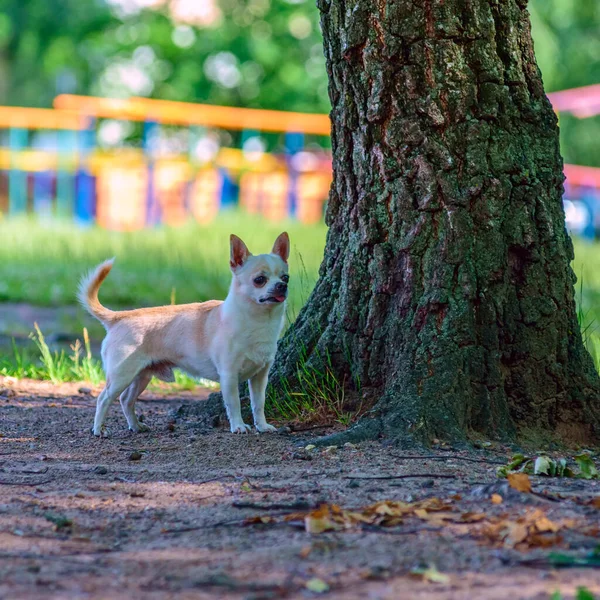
(257, 53)
(567, 46)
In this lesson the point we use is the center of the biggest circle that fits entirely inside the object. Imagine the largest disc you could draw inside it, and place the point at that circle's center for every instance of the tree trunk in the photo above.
(445, 289)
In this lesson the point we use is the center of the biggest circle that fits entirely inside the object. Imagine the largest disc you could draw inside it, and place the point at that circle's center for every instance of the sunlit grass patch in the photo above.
(42, 262)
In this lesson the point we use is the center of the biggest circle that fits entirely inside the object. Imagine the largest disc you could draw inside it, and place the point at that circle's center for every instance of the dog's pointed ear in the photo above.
(281, 247)
(239, 253)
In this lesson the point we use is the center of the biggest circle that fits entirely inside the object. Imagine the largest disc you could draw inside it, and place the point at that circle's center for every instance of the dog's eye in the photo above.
(260, 280)
(285, 278)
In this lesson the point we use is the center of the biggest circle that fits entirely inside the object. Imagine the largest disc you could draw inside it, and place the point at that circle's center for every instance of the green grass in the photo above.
(41, 263)
(587, 268)
(57, 366)
(78, 365)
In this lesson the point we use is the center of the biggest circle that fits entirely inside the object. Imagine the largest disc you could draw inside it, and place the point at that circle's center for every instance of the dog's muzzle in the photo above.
(276, 295)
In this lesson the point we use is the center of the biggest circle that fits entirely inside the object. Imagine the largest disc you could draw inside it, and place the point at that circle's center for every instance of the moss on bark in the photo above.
(445, 287)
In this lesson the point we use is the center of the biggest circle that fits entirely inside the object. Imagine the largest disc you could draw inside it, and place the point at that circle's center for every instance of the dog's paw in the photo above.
(139, 428)
(101, 432)
(240, 428)
(265, 428)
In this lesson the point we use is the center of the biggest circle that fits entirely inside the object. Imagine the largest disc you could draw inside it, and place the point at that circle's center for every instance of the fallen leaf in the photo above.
(259, 520)
(584, 594)
(543, 541)
(514, 533)
(519, 482)
(316, 585)
(496, 499)
(304, 552)
(321, 520)
(60, 521)
(587, 466)
(544, 466)
(471, 517)
(544, 524)
(431, 574)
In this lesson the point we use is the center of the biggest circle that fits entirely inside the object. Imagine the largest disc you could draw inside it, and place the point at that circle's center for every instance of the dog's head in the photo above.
(262, 279)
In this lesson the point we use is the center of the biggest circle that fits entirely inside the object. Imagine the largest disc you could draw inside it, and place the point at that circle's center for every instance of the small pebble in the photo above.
(84, 390)
(135, 455)
(309, 447)
(353, 483)
(101, 470)
(285, 430)
(301, 456)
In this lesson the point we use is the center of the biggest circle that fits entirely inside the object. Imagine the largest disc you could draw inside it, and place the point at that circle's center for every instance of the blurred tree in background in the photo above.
(257, 53)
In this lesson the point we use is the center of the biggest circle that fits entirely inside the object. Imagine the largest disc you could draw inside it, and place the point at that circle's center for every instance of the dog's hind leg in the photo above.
(128, 398)
(115, 384)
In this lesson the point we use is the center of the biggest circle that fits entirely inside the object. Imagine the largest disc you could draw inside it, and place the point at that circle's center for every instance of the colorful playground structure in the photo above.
(181, 162)
(127, 164)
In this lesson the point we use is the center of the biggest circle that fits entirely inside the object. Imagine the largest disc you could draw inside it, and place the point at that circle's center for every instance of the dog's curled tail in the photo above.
(88, 292)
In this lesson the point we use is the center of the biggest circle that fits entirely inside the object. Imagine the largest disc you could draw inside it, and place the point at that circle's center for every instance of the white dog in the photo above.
(226, 341)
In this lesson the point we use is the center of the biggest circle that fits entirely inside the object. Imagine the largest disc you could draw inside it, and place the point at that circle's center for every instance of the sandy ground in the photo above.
(161, 515)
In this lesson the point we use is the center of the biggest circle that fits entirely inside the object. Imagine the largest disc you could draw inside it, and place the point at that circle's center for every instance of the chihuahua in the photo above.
(226, 341)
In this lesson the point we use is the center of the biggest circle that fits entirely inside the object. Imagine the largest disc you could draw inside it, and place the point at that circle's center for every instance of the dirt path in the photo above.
(80, 518)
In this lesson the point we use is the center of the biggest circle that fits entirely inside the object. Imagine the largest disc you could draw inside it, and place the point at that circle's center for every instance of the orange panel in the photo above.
(275, 187)
(312, 191)
(170, 180)
(121, 193)
(205, 195)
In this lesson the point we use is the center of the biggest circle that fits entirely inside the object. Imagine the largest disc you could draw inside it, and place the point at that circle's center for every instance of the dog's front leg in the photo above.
(231, 398)
(258, 386)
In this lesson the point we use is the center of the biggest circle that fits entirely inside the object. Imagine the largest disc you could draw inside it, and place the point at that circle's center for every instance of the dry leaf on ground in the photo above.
(431, 574)
(519, 482)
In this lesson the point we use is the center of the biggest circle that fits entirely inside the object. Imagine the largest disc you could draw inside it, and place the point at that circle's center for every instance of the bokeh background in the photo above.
(253, 53)
(257, 54)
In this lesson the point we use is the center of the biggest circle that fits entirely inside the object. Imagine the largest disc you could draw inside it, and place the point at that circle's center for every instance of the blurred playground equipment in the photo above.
(582, 185)
(179, 160)
(128, 164)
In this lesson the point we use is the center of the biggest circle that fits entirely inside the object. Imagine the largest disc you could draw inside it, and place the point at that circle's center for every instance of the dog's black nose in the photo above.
(281, 287)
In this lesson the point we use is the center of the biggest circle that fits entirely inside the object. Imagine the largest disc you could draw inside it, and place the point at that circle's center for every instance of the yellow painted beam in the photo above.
(183, 113)
(39, 118)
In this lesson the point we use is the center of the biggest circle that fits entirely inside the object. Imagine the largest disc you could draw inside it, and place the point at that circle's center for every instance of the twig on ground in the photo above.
(435, 457)
(213, 479)
(408, 476)
(28, 471)
(199, 527)
(32, 483)
(309, 428)
(545, 496)
(276, 506)
(396, 531)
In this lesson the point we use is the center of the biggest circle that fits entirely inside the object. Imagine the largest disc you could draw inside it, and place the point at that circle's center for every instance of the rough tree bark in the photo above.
(446, 288)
